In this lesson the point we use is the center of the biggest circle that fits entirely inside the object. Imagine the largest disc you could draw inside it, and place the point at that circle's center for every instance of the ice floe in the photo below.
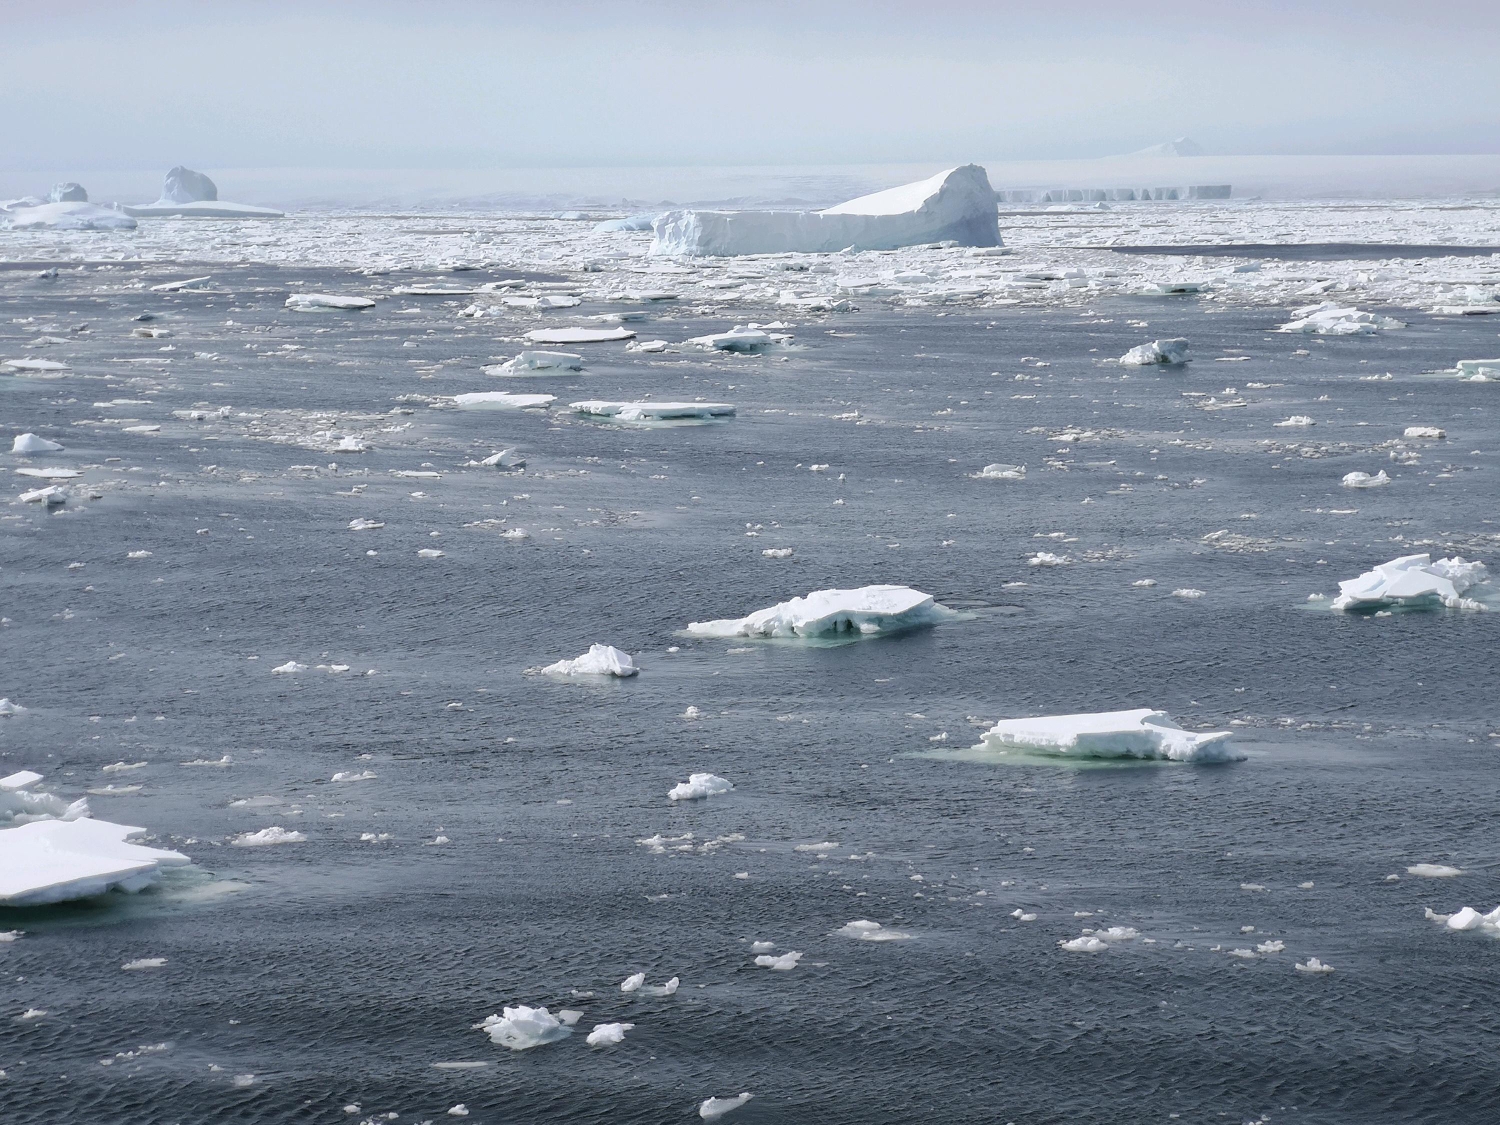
(785, 963)
(268, 836)
(535, 362)
(1467, 918)
(1000, 471)
(52, 860)
(1434, 871)
(652, 411)
(608, 1034)
(1432, 433)
(66, 216)
(740, 338)
(1332, 319)
(956, 205)
(699, 785)
(864, 612)
(711, 1109)
(1173, 351)
(1478, 370)
(1414, 581)
(502, 400)
(600, 660)
(579, 335)
(32, 443)
(327, 302)
(1294, 422)
(21, 802)
(1365, 480)
(522, 1027)
(1313, 965)
(863, 929)
(1142, 733)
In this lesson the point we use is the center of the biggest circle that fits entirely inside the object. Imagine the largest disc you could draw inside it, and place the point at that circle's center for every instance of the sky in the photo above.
(574, 83)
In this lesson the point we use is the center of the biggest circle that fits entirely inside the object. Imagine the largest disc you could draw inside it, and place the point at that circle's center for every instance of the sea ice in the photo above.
(1296, 420)
(782, 964)
(1365, 480)
(1158, 351)
(1141, 733)
(322, 302)
(31, 443)
(1431, 432)
(579, 335)
(957, 205)
(633, 982)
(867, 611)
(1479, 370)
(740, 338)
(1313, 965)
(652, 411)
(999, 471)
(1433, 870)
(50, 861)
(144, 963)
(864, 930)
(608, 1034)
(501, 400)
(536, 362)
(268, 836)
(1332, 319)
(290, 668)
(600, 660)
(521, 1028)
(1413, 580)
(20, 803)
(711, 1109)
(1085, 944)
(65, 216)
(699, 785)
(1467, 918)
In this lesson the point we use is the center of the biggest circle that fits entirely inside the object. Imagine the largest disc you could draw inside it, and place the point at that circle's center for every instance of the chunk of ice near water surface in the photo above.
(1413, 580)
(1467, 918)
(608, 1034)
(1332, 319)
(1434, 871)
(785, 963)
(1365, 480)
(957, 205)
(1313, 965)
(268, 836)
(1000, 471)
(600, 660)
(699, 785)
(32, 443)
(53, 860)
(864, 930)
(327, 302)
(868, 611)
(711, 1109)
(1142, 733)
(522, 1027)
(536, 361)
(1173, 351)
(21, 803)
(652, 411)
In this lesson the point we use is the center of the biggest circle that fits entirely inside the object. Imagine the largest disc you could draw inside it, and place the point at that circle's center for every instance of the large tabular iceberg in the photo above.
(1142, 733)
(55, 860)
(957, 205)
(1413, 580)
(867, 611)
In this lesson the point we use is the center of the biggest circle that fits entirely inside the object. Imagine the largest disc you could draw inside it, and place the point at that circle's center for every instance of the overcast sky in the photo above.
(453, 83)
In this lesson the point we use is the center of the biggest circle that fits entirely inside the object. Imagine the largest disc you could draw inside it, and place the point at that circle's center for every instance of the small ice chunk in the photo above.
(1088, 943)
(321, 302)
(144, 963)
(7, 709)
(290, 668)
(711, 1109)
(867, 611)
(579, 335)
(1275, 945)
(762, 946)
(1331, 319)
(1142, 733)
(522, 1027)
(502, 400)
(608, 1034)
(1187, 592)
(1430, 432)
(648, 411)
(1001, 471)
(782, 964)
(353, 775)
(1296, 420)
(699, 785)
(429, 553)
(1313, 965)
(1047, 558)
(863, 929)
(1413, 580)
(534, 361)
(459, 1110)
(32, 443)
(1433, 870)
(1158, 351)
(777, 553)
(268, 836)
(1365, 480)
(600, 660)
(362, 524)
(633, 982)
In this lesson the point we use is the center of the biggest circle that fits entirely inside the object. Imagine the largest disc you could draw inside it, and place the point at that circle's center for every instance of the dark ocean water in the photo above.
(337, 972)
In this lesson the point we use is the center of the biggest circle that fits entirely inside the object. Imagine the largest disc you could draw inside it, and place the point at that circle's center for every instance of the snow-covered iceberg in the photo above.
(1157, 351)
(191, 194)
(1141, 733)
(653, 411)
(868, 611)
(600, 660)
(1414, 580)
(522, 1027)
(957, 205)
(50, 861)
(66, 215)
(699, 785)
(33, 443)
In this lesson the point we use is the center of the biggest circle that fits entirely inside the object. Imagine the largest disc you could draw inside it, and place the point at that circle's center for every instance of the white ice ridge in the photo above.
(1157, 351)
(600, 660)
(320, 302)
(1413, 580)
(521, 1028)
(863, 929)
(21, 804)
(711, 1109)
(1142, 733)
(1467, 918)
(957, 205)
(64, 216)
(191, 194)
(32, 443)
(502, 400)
(867, 611)
(1332, 319)
(55, 860)
(652, 411)
(699, 785)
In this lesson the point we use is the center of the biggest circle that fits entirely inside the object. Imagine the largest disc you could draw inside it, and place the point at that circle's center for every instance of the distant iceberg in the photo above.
(1141, 733)
(1414, 580)
(957, 205)
(868, 611)
(64, 215)
(189, 194)
(653, 411)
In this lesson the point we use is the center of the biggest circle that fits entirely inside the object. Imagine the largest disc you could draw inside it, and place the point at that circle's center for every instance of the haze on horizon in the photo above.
(463, 84)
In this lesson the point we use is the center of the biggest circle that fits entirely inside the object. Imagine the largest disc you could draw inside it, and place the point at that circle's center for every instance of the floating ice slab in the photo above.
(1365, 480)
(41, 366)
(738, 339)
(323, 302)
(1413, 580)
(20, 803)
(267, 837)
(535, 362)
(202, 209)
(57, 860)
(652, 411)
(501, 400)
(1479, 370)
(579, 335)
(608, 1034)
(699, 785)
(711, 1109)
(864, 930)
(1431, 432)
(66, 216)
(522, 1027)
(782, 964)
(31, 443)
(1467, 918)
(1142, 733)
(868, 611)
(600, 660)
(1333, 319)
(957, 205)
(999, 471)
(1434, 871)
(1157, 351)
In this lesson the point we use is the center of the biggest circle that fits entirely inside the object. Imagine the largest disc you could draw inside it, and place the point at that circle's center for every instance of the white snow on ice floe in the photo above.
(323, 302)
(711, 1109)
(742, 338)
(1365, 480)
(782, 964)
(32, 443)
(521, 1028)
(1434, 871)
(1467, 918)
(652, 411)
(1086, 944)
(1313, 965)
(579, 335)
(501, 400)
(1414, 580)
(699, 785)
(1332, 319)
(957, 205)
(528, 363)
(141, 963)
(1142, 733)
(268, 836)
(1173, 351)
(608, 1034)
(1295, 421)
(1000, 471)
(867, 611)
(600, 660)
(65, 216)
(50, 861)
(1432, 432)
(863, 929)
(189, 194)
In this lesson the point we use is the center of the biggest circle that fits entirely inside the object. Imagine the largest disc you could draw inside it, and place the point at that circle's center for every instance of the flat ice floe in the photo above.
(1414, 581)
(50, 861)
(863, 929)
(956, 205)
(1332, 319)
(600, 660)
(522, 1027)
(865, 612)
(579, 335)
(711, 1109)
(502, 400)
(699, 785)
(1142, 733)
(652, 411)
(1000, 471)
(535, 362)
(1173, 351)
(327, 302)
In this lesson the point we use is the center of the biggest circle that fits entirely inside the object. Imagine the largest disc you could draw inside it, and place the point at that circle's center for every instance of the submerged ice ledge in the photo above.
(865, 612)
(1142, 733)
